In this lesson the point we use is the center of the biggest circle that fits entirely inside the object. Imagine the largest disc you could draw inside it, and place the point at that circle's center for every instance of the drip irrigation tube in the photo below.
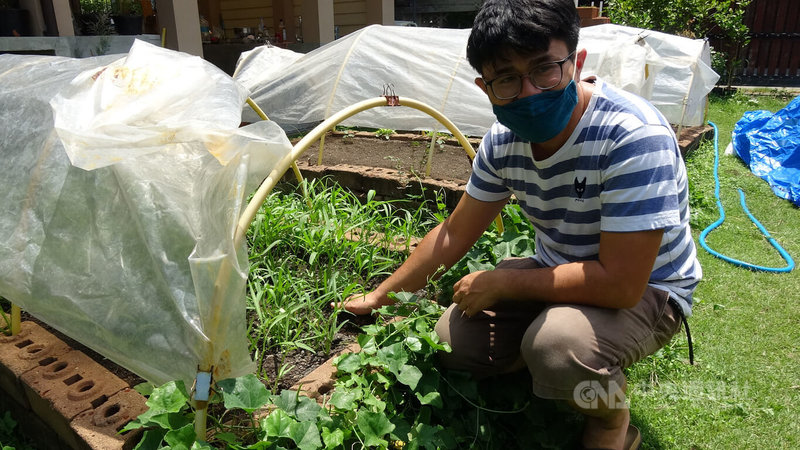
(705, 233)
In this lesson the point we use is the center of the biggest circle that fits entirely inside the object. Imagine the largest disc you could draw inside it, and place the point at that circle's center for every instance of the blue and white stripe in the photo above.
(635, 180)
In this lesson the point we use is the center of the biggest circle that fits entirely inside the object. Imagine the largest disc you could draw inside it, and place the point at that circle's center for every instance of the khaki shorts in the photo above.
(562, 345)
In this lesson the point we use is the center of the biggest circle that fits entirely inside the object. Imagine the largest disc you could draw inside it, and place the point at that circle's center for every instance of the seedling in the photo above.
(384, 133)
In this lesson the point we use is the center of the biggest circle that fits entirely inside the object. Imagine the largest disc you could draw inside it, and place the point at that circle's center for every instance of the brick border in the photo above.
(61, 397)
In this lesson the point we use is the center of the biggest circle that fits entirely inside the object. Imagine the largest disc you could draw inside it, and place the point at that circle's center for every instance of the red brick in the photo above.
(32, 347)
(98, 429)
(70, 384)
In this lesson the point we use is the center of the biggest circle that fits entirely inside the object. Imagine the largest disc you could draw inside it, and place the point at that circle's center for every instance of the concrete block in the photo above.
(98, 428)
(71, 384)
(32, 347)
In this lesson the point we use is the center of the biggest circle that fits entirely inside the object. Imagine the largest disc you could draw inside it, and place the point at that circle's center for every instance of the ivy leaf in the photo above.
(413, 343)
(349, 363)
(298, 406)
(171, 397)
(305, 435)
(247, 393)
(182, 438)
(394, 356)
(333, 438)
(151, 439)
(374, 426)
(428, 390)
(405, 297)
(278, 424)
(409, 375)
(344, 400)
(201, 445)
(367, 344)
(168, 421)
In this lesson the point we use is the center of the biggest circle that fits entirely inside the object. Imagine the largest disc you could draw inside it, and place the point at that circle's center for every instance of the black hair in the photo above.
(521, 26)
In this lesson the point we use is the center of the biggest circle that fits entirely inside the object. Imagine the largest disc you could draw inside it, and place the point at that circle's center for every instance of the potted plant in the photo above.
(13, 19)
(94, 18)
(127, 15)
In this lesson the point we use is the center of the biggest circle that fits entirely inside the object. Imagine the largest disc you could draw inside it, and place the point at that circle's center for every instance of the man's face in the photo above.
(502, 79)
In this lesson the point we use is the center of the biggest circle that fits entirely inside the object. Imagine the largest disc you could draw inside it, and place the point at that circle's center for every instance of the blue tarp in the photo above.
(769, 143)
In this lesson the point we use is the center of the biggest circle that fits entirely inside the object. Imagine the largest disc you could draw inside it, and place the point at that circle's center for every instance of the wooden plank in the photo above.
(230, 24)
(347, 29)
(793, 57)
(343, 20)
(243, 4)
(774, 58)
(250, 15)
(349, 8)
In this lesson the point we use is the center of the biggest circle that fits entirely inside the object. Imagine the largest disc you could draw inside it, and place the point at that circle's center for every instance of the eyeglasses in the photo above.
(544, 76)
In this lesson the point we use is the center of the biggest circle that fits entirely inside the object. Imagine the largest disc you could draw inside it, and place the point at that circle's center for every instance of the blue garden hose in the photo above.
(783, 253)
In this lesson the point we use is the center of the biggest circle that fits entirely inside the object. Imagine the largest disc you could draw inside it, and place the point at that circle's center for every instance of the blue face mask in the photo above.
(540, 117)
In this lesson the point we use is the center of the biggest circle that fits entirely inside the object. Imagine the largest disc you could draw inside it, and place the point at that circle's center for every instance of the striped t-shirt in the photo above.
(619, 171)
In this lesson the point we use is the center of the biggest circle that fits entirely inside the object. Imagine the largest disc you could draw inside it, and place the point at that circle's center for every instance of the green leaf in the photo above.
(201, 445)
(145, 388)
(349, 363)
(169, 421)
(345, 400)
(332, 438)
(409, 375)
(182, 438)
(151, 439)
(278, 424)
(298, 406)
(170, 397)
(367, 344)
(405, 297)
(305, 435)
(247, 393)
(394, 356)
(413, 343)
(432, 398)
(374, 426)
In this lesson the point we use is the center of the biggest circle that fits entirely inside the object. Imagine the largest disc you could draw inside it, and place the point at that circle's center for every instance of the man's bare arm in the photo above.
(616, 280)
(442, 246)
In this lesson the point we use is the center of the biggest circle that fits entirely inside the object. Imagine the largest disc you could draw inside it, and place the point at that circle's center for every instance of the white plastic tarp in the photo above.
(429, 65)
(123, 179)
(670, 71)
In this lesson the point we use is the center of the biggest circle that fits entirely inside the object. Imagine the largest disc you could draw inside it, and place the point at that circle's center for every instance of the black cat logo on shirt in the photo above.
(580, 188)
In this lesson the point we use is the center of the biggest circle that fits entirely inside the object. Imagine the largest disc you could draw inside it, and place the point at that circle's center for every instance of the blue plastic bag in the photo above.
(770, 144)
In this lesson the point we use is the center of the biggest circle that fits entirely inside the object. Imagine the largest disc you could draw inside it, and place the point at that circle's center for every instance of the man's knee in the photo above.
(560, 351)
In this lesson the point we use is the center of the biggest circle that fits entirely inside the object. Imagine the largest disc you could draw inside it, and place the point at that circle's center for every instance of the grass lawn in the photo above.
(744, 391)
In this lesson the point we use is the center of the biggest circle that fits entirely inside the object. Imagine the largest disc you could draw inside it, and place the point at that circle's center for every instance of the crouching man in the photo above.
(599, 174)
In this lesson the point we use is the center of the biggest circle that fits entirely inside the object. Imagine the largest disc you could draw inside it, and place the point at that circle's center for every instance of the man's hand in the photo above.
(476, 292)
(363, 304)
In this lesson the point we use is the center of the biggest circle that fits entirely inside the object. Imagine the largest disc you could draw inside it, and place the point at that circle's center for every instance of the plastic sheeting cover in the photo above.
(769, 143)
(123, 179)
(429, 65)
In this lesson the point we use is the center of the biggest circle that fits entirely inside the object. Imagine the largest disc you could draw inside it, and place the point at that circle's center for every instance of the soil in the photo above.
(405, 153)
